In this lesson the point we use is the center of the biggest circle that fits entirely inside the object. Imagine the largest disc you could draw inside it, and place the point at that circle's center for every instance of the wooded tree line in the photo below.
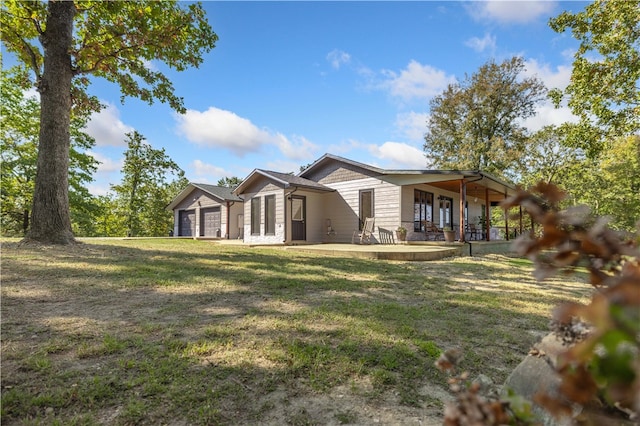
(478, 123)
(135, 206)
(60, 45)
(474, 124)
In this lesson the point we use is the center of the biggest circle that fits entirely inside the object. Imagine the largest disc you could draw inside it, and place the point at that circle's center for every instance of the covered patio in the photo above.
(462, 201)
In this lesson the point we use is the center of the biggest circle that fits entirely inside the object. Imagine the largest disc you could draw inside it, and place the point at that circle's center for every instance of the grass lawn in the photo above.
(190, 332)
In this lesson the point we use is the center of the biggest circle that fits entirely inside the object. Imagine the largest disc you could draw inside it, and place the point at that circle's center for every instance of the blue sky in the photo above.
(290, 81)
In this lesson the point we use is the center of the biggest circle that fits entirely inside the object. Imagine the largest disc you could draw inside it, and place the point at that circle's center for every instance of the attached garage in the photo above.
(210, 222)
(187, 227)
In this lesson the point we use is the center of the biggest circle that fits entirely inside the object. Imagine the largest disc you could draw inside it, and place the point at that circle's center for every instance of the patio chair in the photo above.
(330, 230)
(364, 236)
(432, 232)
(386, 236)
(474, 232)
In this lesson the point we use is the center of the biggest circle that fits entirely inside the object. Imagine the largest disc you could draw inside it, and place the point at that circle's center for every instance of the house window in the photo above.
(446, 212)
(366, 206)
(422, 209)
(270, 215)
(255, 216)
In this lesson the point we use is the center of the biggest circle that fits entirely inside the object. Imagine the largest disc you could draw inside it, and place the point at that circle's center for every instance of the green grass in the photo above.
(180, 331)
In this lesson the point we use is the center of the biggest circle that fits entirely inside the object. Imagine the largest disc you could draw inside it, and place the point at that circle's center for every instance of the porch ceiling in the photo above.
(475, 190)
(477, 183)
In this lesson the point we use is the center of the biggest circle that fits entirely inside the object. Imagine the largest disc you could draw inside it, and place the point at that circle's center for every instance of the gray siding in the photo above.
(339, 172)
(266, 189)
(198, 200)
(343, 208)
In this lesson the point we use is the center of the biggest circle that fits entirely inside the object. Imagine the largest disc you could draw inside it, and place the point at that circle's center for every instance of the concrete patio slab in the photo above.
(383, 252)
(414, 250)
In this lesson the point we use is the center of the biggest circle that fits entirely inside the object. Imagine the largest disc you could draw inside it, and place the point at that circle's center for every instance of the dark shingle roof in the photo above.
(293, 180)
(221, 192)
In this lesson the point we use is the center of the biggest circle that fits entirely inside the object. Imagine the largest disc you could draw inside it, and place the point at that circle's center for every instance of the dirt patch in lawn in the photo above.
(186, 332)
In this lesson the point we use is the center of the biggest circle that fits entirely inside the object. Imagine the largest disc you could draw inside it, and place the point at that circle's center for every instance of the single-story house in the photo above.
(329, 201)
(208, 211)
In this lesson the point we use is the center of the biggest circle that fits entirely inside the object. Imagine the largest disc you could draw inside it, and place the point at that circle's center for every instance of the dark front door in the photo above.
(210, 222)
(298, 218)
(187, 226)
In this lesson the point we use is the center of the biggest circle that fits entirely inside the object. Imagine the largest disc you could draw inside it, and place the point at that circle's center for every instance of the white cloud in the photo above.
(107, 165)
(345, 146)
(32, 92)
(552, 78)
(98, 190)
(337, 58)
(218, 128)
(513, 11)
(547, 114)
(488, 42)
(106, 128)
(400, 155)
(412, 125)
(149, 65)
(285, 166)
(208, 173)
(417, 81)
(298, 149)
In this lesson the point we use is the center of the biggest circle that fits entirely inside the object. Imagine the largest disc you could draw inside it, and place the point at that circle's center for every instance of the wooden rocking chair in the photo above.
(364, 236)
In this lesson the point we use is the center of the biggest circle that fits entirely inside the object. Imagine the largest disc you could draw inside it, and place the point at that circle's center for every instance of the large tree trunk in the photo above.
(51, 220)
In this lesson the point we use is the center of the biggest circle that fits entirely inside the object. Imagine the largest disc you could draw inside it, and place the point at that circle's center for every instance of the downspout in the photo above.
(506, 218)
(463, 202)
(229, 204)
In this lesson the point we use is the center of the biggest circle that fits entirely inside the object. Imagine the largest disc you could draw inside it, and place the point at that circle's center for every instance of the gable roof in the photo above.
(285, 179)
(445, 179)
(328, 157)
(221, 193)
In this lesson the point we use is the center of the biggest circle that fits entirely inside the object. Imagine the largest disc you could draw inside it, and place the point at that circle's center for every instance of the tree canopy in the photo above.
(476, 124)
(144, 192)
(546, 158)
(604, 91)
(19, 129)
(63, 43)
(230, 182)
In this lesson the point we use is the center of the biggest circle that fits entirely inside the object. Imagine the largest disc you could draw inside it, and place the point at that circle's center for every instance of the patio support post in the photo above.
(520, 220)
(533, 227)
(506, 220)
(487, 212)
(463, 202)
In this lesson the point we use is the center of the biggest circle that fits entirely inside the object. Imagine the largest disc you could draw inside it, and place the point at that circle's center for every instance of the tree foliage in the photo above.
(610, 183)
(63, 43)
(229, 182)
(19, 131)
(546, 158)
(144, 192)
(475, 125)
(605, 80)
